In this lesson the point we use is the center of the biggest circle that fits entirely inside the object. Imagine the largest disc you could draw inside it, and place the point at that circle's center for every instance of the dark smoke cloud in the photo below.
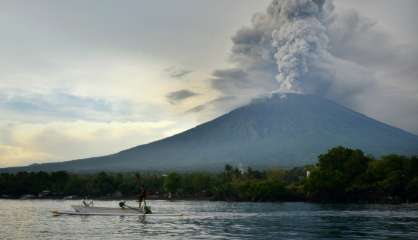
(180, 95)
(217, 103)
(176, 72)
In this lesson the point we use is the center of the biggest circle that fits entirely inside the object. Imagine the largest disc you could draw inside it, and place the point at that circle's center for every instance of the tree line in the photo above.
(341, 175)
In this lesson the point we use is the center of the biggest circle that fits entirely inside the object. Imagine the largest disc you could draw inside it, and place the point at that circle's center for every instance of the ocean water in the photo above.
(32, 219)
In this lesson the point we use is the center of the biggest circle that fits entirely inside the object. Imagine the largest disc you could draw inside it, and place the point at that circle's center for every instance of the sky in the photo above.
(88, 78)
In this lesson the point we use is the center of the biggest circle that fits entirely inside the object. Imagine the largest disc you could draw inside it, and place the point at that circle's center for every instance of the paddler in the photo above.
(142, 195)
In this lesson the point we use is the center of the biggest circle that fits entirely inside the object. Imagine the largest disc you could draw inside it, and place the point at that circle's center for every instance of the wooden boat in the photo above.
(74, 213)
(87, 209)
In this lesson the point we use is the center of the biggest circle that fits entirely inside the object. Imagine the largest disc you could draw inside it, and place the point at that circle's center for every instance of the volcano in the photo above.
(284, 130)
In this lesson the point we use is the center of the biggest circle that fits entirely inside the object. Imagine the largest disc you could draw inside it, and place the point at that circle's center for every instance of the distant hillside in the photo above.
(284, 130)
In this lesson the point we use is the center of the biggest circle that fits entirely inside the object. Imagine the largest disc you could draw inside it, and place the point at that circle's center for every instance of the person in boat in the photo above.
(87, 203)
(142, 195)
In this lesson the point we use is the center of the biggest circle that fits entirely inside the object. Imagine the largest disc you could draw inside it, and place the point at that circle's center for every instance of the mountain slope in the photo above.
(284, 130)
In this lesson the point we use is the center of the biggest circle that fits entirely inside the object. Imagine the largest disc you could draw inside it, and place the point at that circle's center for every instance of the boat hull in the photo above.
(107, 210)
(58, 213)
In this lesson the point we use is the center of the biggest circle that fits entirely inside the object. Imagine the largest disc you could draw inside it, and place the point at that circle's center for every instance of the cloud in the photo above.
(179, 96)
(61, 105)
(11, 156)
(215, 107)
(176, 72)
(22, 143)
(238, 82)
(196, 109)
(215, 103)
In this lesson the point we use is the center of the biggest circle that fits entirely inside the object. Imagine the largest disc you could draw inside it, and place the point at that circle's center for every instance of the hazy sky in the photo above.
(85, 78)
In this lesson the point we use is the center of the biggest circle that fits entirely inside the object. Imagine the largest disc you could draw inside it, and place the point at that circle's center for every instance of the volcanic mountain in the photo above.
(284, 130)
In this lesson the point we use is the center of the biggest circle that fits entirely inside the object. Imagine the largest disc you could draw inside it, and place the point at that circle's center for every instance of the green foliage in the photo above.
(341, 175)
(260, 190)
(172, 182)
(344, 174)
(326, 184)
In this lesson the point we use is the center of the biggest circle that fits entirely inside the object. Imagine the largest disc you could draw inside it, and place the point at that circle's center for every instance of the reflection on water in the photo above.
(32, 219)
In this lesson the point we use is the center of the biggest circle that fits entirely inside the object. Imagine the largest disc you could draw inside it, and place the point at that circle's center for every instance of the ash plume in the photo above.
(299, 40)
(290, 48)
(290, 40)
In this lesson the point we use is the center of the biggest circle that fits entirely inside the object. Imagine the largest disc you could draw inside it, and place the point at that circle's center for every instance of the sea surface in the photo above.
(32, 219)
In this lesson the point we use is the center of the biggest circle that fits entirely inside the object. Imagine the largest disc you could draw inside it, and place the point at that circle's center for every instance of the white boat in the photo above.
(58, 213)
(87, 209)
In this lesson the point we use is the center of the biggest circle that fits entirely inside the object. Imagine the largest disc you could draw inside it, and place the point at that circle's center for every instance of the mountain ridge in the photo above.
(283, 130)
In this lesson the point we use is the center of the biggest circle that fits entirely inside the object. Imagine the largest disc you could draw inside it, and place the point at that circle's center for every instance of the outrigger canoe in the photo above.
(108, 211)
(73, 213)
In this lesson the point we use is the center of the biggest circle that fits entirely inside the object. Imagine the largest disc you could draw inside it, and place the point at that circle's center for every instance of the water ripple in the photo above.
(32, 219)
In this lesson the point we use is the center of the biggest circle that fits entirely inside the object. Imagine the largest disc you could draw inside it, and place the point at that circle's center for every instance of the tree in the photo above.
(172, 182)
(338, 175)
(103, 184)
(325, 185)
